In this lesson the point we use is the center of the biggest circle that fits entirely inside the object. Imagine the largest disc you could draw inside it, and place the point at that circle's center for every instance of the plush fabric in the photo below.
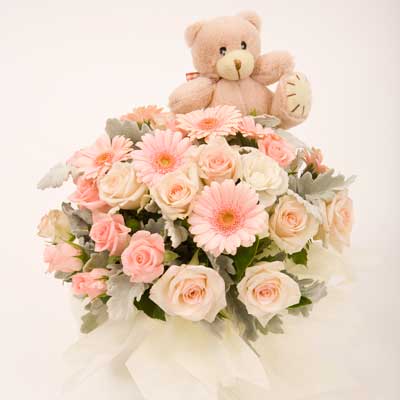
(226, 53)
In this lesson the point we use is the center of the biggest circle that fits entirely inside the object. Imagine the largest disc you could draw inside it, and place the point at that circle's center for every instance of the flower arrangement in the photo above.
(199, 216)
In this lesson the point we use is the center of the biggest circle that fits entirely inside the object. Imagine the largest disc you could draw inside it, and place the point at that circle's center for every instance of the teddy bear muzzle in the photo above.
(236, 65)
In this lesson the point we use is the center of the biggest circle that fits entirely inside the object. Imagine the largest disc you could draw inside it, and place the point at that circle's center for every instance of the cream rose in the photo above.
(291, 225)
(55, 226)
(218, 161)
(193, 292)
(120, 187)
(265, 290)
(265, 175)
(337, 221)
(174, 192)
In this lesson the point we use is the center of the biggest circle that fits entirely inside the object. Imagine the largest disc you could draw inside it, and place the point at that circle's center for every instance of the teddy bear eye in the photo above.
(243, 45)
(222, 51)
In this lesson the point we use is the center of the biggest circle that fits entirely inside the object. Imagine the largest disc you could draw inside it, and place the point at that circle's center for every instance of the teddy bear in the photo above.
(231, 71)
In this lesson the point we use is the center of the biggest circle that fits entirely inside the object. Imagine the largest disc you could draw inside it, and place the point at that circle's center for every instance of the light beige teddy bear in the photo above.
(226, 54)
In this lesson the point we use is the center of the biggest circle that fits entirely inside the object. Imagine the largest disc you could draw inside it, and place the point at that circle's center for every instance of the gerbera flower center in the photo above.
(103, 158)
(208, 123)
(228, 221)
(165, 161)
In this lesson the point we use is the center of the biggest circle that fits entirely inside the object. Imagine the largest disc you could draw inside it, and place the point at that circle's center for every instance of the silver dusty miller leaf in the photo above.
(313, 290)
(323, 187)
(56, 176)
(177, 233)
(293, 140)
(128, 129)
(79, 220)
(123, 292)
(155, 226)
(96, 260)
(96, 315)
(267, 121)
(244, 322)
(224, 266)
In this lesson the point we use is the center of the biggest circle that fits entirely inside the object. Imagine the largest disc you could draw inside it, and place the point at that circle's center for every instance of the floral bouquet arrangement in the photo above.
(199, 217)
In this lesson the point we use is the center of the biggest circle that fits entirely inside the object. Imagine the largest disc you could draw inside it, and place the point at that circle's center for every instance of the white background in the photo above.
(65, 66)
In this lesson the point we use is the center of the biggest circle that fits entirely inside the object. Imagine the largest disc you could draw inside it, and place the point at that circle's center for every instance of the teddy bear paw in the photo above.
(298, 95)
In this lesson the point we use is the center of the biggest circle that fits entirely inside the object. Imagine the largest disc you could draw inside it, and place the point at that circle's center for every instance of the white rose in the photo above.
(265, 291)
(55, 226)
(174, 192)
(193, 292)
(265, 175)
(338, 218)
(291, 225)
(120, 187)
(218, 161)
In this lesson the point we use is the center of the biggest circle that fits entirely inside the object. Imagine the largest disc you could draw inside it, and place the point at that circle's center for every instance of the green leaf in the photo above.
(170, 256)
(276, 257)
(300, 257)
(134, 224)
(304, 301)
(244, 257)
(150, 308)
(263, 244)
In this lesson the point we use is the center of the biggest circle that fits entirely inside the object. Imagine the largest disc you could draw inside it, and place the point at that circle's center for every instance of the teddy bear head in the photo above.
(225, 47)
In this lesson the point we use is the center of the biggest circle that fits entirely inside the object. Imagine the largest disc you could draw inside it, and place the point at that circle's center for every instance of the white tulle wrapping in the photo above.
(145, 359)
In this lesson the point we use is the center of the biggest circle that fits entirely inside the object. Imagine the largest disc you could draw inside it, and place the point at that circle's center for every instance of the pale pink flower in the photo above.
(192, 292)
(337, 221)
(277, 148)
(314, 159)
(173, 125)
(91, 283)
(151, 115)
(97, 159)
(226, 216)
(109, 233)
(62, 257)
(214, 121)
(55, 226)
(249, 128)
(143, 259)
(265, 291)
(87, 195)
(159, 152)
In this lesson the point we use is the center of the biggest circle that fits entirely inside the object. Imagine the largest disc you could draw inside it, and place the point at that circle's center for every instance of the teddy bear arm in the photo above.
(270, 67)
(192, 95)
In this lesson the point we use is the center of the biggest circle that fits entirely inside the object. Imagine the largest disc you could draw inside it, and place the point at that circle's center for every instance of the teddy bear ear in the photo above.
(192, 31)
(252, 17)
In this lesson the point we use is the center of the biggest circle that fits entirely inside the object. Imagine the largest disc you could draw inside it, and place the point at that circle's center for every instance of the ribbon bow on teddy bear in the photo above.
(231, 71)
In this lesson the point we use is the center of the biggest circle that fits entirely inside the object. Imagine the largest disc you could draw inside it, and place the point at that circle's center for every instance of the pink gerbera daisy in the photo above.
(226, 216)
(215, 121)
(97, 159)
(249, 128)
(150, 115)
(159, 152)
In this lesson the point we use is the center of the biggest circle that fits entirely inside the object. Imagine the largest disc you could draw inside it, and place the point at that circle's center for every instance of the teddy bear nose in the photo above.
(238, 64)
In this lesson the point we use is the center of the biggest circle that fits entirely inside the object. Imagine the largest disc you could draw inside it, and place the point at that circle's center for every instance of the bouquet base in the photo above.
(146, 359)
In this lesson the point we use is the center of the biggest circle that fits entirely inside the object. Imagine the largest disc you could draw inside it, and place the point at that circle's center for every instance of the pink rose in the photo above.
(277, 148)
(143, 259)
(91, 283)
(87, 195)
(110, 233)
(314, 159)
(62, 257)
(218, 161)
